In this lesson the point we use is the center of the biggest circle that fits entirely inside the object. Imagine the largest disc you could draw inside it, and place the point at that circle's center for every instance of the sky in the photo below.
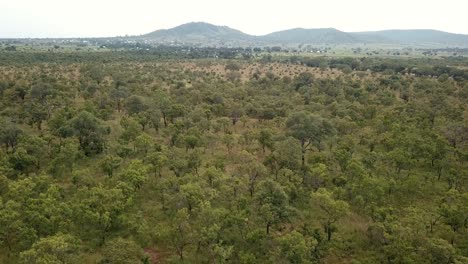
(107, 18)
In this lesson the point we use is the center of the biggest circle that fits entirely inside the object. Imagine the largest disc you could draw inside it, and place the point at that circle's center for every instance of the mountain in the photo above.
(310, 36)
(198, 32)
(202, 33)
(415, 37)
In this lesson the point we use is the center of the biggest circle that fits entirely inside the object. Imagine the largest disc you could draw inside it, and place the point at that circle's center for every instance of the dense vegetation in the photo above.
(134, 157)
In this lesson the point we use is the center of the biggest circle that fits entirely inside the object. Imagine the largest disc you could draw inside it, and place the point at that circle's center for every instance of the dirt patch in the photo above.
(154, 255)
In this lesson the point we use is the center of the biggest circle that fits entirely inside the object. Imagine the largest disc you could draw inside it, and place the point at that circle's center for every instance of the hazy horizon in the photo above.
(59, 19)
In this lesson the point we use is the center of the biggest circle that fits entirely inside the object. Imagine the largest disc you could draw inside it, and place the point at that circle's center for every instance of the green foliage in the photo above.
(59, 248)
(120, 250)
(110, 163)
(135, 174)
(272, 202)
(333, 209)
(89, 132)
(107, 155)
(295, 248)
(9, 134)
(309, 129)
(265, 138)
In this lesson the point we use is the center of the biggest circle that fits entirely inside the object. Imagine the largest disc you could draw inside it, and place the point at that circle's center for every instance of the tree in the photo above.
(143, 142)
(191, 141)
(440, 251)
(456, 134)
(286, 154)
(304, 79)
(265, 137)
(273, 207)
(176, 111)
(213, 176)
(157, 160)
(454, 212)
(9, 134)
(41, 92)
(89, 131)
(309, 129)
(179, 232)
(95, 73)
(135, 105)
(163, 104)
(333, 209)
(192, 195)
(135, 174)
(22, 161)
(36, 149)
(254, 171)
(296, 248)
(118, 95)
(131, 129)
(236, 114)
(67, 157)
(56, 249)
(110, 163)
(123, 251)
(97, 211)
(15, 234)
(37, 114)
(400, 158)
(155, 118)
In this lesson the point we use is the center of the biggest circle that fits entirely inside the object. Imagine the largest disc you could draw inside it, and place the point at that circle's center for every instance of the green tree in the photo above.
(9, 134)
(15, 234)
(309, 129)
(454, 212)
(265, 138)
(135, 174)
(192, 194)
(176, 111)
(131, 129)
(123, 251)
(89, 131)
(118, 95)
(37, 114)
(143, 142)
(67, 157)
(110, 163)
(97, 211)
(333, 209)
(179, 232)
(56, 249)
(135, 105)
(191, 141)
(286, 154)
(157, 160)
(214, 176)
(296, 248)
(273, 205)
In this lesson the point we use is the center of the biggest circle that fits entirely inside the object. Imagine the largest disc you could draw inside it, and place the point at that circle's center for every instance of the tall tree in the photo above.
(309, 129)
(333, 209)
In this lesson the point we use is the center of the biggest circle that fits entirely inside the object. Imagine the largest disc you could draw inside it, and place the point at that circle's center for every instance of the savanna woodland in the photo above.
(179, 155)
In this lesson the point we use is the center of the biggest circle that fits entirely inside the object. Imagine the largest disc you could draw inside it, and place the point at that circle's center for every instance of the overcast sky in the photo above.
(102, 18)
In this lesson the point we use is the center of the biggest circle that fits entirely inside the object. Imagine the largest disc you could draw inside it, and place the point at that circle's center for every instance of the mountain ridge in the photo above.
(197, 29)
(206, 33)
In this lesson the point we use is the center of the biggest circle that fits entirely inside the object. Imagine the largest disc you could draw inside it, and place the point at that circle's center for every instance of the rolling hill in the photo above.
(315, 36)
(197, 32)
(209, 34)
(415, 37)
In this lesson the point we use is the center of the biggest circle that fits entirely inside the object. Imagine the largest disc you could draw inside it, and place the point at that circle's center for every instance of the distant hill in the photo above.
(312, 36)
(198, 32)
(209, 34)
(415, 37)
